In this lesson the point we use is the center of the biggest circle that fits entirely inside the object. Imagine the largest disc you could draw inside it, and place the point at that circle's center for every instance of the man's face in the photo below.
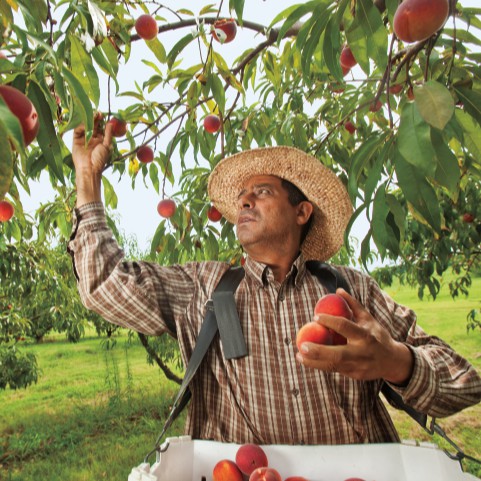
(266, 219)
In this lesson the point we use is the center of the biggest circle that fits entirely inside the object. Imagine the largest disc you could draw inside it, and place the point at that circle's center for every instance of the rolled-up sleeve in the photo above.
(442, 382)
(142, 296)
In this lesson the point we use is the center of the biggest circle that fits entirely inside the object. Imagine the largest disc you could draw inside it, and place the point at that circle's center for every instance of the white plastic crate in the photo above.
(185, 459)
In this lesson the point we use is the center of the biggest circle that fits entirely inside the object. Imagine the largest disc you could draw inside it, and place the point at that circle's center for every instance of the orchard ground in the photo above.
(96, 413)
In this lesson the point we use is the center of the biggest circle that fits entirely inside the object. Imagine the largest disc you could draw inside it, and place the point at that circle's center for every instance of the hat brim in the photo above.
(332, 206)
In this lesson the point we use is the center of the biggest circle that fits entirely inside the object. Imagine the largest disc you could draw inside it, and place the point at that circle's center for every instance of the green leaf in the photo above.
(84, 70)
(294, 14)
(331, 47)
(472, 102)
(81, 103)
(154, 176)
(447, 171)
(47, 136)
(106, 57)
(418, 192)
(471, 133)
(109, 193)
(238, 7)
(158, 49)
(414, 140)
(360, 162)
(6, 159)
(385, 232)
(177, 48)
(435, 103)
(218, 92)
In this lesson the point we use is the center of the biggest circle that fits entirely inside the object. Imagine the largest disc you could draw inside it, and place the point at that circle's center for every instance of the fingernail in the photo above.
(304, 348)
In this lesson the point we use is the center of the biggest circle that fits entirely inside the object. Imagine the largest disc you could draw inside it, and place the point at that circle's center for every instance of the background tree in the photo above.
(395, 114)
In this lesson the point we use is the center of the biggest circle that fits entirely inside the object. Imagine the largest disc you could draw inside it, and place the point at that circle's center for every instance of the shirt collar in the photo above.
(262, 274)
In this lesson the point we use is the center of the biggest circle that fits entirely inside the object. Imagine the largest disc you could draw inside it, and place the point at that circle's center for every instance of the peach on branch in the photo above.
(213, 214)
(347, 59)
(468, 217)
(21, 106)
(349, 126)
(249, 457)
(416, 20)
(119, 126)
(375, 106)
(166, 208)
(145, 154)
(146, 27)
(224, 30)
(212, 123)
(6, 211)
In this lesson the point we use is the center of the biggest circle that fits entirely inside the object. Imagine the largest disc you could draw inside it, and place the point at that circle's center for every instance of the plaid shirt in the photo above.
(266, 397)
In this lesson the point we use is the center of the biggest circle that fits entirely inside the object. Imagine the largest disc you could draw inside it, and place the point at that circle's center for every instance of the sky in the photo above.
(144, 199)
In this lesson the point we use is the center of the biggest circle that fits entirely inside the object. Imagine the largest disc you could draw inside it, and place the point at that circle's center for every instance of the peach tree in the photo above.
(396, 116)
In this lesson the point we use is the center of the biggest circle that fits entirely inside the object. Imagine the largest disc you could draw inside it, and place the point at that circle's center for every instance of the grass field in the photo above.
(96, 413)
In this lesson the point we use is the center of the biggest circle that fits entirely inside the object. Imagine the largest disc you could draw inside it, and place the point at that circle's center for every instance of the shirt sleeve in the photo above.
(142, 296)
(442, 382)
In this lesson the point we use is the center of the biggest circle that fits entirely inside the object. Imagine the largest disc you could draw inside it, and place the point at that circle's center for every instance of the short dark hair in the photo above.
(295, 197)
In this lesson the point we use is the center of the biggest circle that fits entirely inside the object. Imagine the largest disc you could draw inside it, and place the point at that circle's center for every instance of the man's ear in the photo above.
(304, 212)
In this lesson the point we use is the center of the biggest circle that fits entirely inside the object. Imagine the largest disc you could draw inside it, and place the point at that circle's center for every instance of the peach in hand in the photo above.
(334, 305)
(314, 332)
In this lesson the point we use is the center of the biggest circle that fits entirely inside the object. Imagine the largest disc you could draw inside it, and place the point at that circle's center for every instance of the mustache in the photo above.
(248, 213)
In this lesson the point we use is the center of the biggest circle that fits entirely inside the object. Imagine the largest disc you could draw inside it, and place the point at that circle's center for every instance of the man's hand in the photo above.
(90, 159)
(370, 352)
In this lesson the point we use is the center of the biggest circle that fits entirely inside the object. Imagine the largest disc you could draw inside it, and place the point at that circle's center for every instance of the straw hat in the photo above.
(332, 206)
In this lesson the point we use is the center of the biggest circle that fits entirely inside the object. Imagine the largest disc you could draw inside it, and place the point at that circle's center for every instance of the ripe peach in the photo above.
(345, 70)
(314, 332)
(21, 106)
(226, 470)
(212, 123)
(349, 126)
(395, 89)
(166, 208)
(249, 457)
(265, 474)
(6, 211)
(145, 154)
(347, 59)
(375, 106)
(146, 27)
(416, 20)
(213, 214)
(334, 305)
(468, 217)
(119, 127)
(410, 94)
(224, 30)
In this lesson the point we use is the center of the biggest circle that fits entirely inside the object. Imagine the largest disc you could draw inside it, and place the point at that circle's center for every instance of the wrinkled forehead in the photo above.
(256, 180)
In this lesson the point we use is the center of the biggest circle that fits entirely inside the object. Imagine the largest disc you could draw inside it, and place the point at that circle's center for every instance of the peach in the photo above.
(226, 470)
(375, 106)
(6, 211)
(416, 20)
(265, 474)
(166, 208)
(213, 214)
(146, 27)
(334, 305)
(119, 126)
(21, 106)
(314, 332)
(145, 154)
(347, 59)
(212, 123)
(249, 457)
(224, 30)
(349, 126)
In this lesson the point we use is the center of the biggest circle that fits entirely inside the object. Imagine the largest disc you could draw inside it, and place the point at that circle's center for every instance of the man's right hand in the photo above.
(89, 159)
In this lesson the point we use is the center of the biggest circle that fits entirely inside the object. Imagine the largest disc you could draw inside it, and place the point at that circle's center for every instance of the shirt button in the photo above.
(295, 392)
(287, 340)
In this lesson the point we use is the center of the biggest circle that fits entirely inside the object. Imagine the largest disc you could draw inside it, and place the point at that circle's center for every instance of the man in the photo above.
(288, 208)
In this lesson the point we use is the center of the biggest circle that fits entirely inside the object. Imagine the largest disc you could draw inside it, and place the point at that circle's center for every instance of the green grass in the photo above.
(95, 414)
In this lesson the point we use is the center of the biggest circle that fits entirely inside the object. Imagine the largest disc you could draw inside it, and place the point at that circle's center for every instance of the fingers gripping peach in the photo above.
(331, 304)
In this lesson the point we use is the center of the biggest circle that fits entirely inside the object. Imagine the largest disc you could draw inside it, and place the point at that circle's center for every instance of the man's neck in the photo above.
(280, 265)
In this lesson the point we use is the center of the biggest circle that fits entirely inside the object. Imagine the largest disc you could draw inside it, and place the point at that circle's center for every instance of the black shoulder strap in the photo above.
(328, 276)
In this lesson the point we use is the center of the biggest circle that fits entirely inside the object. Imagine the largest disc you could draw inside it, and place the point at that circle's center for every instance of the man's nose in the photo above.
(246, 201)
